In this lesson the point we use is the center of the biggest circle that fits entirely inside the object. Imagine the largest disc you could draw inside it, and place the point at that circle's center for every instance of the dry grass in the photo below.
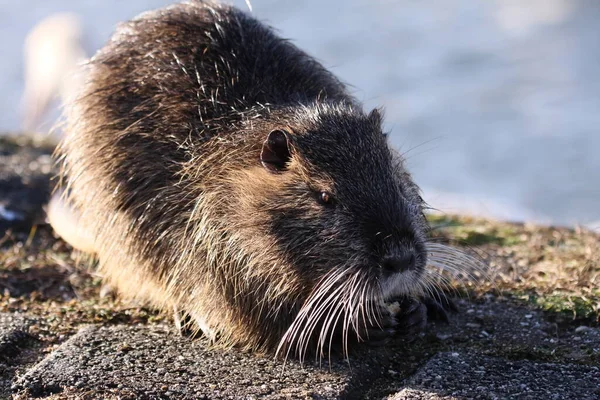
(557, 269)
(40, 276)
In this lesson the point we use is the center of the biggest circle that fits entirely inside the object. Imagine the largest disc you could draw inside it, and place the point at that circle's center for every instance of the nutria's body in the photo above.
(222, 171)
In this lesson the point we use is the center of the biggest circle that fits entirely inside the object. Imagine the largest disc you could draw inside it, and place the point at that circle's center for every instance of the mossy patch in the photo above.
(475, 232)
(552, 268)
(570, 306)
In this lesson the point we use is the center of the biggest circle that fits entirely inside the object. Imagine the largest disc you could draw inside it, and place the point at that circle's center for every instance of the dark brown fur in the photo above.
(163, 162)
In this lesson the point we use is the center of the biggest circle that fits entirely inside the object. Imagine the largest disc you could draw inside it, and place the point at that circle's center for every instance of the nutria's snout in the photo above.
(400, 270)
(398, 263)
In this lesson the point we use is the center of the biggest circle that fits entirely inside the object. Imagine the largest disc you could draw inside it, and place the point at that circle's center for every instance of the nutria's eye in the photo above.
(326, 198)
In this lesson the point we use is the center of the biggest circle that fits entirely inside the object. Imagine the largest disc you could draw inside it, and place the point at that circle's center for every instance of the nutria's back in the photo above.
(224, 172)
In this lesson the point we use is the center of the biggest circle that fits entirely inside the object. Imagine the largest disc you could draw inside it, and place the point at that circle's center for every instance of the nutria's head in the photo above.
(329, 209)
(344, 199)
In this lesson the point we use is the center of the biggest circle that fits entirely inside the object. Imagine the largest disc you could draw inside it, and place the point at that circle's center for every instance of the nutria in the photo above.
(219, 170)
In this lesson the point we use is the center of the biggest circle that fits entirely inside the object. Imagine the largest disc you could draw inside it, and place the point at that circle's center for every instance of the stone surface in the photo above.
(14, 335)
(14, 339)
(413, 394)
(474, 376)
(153, 362)
(510, 361)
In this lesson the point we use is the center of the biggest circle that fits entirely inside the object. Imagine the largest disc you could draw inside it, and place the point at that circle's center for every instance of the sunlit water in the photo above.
(496, 103)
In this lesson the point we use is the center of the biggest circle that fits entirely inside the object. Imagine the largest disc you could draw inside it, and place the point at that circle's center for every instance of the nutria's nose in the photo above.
(399, 263)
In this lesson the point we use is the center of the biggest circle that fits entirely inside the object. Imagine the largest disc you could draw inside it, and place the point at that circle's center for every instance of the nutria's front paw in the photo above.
(407, 318)
(411, 318)
(385, 328)
(404, 317)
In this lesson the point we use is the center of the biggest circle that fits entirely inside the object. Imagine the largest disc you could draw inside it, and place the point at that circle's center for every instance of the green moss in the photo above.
(472, 232)
(442, 221)
(578, 307)
(570, 306)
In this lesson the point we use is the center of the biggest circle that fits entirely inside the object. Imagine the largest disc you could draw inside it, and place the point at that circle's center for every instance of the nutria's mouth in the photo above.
(407, 283)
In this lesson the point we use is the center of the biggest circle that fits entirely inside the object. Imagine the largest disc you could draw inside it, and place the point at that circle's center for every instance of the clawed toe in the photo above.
(438, 308)
(412, 318)
(407, 322)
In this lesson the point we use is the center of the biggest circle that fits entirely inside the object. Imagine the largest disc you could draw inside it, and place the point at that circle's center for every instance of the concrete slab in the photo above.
(154, 362)
(472, 376)
(14, 338)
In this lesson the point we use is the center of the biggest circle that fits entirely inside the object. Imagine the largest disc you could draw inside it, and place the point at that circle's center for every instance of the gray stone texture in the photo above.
(154, 362)
(472, 376)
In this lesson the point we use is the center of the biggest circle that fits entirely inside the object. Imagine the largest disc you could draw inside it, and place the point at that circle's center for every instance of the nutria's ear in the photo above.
(275, 152)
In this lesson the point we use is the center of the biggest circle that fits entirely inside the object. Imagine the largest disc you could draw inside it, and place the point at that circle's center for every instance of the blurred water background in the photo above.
(496, 103)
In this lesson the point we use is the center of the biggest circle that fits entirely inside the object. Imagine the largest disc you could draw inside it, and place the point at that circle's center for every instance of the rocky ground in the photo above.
(527, 330)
